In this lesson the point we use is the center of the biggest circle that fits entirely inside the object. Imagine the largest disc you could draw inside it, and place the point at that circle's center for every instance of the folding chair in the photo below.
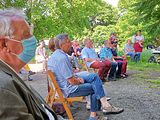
(55, 90)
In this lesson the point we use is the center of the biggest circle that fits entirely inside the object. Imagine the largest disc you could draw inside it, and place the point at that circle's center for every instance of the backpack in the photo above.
(59, 109)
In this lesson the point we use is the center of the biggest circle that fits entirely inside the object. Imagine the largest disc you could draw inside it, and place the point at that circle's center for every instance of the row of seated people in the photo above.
(107, 63)
(77, 84)
(110, 66)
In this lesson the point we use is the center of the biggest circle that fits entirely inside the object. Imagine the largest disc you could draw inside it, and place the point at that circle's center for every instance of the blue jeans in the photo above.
(137, 56)
(131, 54)
(112, 72)
(93, 87)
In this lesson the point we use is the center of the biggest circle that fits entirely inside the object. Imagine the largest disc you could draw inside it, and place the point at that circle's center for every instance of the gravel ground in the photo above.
(139, 100)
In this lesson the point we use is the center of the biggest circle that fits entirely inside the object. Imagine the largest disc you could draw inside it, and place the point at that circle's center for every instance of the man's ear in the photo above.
(61, 46)
(2, 41)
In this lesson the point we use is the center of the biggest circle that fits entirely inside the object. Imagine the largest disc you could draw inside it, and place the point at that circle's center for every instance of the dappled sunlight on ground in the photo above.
(36, 67)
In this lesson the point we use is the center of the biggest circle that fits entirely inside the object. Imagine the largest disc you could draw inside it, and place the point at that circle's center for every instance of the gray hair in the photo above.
(56, 42)
(60, 39)
(86, 40)
(5, 20)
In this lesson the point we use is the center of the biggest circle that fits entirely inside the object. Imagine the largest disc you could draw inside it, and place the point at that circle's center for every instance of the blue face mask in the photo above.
(29, 48)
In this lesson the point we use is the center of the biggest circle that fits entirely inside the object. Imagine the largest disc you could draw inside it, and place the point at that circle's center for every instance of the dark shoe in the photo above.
(111, 79)
(121, 76)
(112, 110)
(125, 75)
(32, 73)
(105, 80)
(44, 72)
(29, 78)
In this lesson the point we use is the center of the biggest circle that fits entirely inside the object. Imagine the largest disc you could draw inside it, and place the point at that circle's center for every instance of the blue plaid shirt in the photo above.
(105, 53)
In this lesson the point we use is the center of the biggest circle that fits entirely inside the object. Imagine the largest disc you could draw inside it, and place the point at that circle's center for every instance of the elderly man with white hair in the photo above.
(17, 47)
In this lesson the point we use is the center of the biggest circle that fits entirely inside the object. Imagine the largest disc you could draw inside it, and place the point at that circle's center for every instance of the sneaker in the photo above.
(111, 79)
(112, 110)
(125, 75)
(119, 76)
(105, 80)
(29, 78)
(31, 72)
(98, 118)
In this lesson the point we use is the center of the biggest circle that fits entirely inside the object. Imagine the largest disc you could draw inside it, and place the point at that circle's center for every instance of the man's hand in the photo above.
(75, 80)
(88, 59)
(81, 80)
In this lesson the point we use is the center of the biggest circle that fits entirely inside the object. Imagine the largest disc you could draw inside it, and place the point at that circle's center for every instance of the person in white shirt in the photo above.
(41, 56)
(134, 38)
(140, 38)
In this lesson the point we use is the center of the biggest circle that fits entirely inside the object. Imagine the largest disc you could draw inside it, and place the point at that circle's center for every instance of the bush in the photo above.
(145, 55)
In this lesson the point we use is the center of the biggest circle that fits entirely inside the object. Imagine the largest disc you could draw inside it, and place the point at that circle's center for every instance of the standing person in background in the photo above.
(77, 49)
(140, 38)
(27, 68)
(73, 58)
(138, 45)
(41, 56)
(134, 38)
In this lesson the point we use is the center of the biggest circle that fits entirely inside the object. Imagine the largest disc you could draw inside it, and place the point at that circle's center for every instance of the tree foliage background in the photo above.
(91, 18)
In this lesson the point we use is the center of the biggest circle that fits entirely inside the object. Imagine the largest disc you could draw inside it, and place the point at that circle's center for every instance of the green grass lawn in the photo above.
(143, 66)
(145, 69)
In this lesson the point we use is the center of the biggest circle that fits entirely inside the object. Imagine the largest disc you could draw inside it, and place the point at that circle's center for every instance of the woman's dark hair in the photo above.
(51, 44)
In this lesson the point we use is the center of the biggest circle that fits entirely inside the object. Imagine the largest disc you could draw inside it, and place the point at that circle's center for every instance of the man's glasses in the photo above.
(114, 42)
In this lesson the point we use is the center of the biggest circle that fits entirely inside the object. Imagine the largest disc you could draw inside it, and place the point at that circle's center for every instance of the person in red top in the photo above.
(138, 45)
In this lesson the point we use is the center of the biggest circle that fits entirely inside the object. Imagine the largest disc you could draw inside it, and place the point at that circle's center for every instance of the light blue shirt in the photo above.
(60, 65)
(89, 53)
(105, 53)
